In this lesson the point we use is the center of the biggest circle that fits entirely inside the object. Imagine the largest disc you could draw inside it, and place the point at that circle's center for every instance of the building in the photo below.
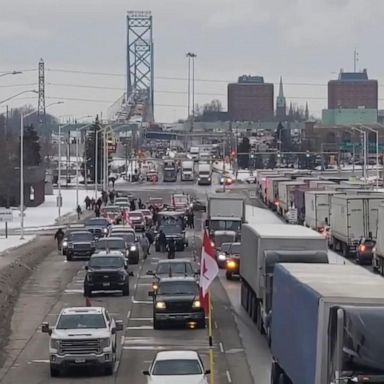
(250, 99)
(281, 103)
(353, 90)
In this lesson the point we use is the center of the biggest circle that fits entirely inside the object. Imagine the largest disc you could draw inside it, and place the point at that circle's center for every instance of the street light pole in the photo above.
(21, 176)
(18, 94)
(10, 73)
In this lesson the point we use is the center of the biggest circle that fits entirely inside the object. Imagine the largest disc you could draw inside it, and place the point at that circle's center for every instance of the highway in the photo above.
(57, 284)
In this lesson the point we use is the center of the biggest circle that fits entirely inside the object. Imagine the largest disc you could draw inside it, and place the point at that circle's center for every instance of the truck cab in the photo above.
(170, 170)
(82, 336)
(187, 171)
(204, 174)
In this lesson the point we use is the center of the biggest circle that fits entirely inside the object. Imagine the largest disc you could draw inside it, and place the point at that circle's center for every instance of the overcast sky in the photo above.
(305, 41)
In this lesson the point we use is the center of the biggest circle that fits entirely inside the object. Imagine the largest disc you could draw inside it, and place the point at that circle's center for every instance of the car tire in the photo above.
(126, 291)
(228, 275)
(69, 257)
(108, 370)
(157, 324)
(54, 372)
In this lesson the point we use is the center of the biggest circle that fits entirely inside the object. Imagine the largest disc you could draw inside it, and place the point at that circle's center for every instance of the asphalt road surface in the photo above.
(57, 284)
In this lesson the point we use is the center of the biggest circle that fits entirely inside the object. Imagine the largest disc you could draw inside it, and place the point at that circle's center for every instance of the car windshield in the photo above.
(110, 244)
(235, 249)
(106, 262)
(81, 321)
(98, 222)
(171, 229)
(225, 225)
(225, 247)
(178, 288)
(82, 237)
(177, 367)
(146, 212)
(174, 268)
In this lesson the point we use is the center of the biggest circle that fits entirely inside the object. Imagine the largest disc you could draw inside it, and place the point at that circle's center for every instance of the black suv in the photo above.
(106, 272)
(177, 300)
(70, 229)
(175, 232)
(80, 244)
(98, 226)
(132, 244)
(112, 244)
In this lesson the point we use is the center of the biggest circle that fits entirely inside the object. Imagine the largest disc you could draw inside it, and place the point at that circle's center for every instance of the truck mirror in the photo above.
(131, 274)
(86, 267)
(151, 294)
(146, 373)
(206, 223)
(45, 328)
(150, 273)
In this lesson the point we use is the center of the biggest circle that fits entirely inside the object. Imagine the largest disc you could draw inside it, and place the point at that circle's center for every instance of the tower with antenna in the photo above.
(41, 117)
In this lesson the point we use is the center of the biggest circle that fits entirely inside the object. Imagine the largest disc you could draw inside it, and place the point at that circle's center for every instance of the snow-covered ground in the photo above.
(47, 213)
(13, 242)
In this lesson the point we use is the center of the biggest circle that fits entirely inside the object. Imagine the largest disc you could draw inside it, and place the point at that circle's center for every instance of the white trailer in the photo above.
(318, 208)
(273, 190)
(286, 190)
(353, 217)
(378, 254)
(320, 184)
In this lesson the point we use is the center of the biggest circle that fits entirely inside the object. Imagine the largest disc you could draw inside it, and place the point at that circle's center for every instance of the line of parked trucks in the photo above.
(323, 321)
(188, 171)
(348, 213)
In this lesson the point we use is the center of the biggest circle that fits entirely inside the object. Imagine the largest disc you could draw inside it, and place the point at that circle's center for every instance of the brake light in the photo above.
(277, 203)
(362, 248)
(213, 244)
(231, 264)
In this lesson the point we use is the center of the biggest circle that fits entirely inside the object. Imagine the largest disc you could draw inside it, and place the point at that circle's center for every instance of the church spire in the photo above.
(306, 111)
(281, 104)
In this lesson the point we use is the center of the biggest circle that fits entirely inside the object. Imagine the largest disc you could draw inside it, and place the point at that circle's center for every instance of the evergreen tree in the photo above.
(32, 147)
(89, 153)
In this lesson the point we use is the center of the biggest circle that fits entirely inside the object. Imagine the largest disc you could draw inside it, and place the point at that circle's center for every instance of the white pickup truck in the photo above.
(82, 336)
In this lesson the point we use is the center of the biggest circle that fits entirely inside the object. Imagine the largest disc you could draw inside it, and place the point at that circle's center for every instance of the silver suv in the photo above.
(82, 336)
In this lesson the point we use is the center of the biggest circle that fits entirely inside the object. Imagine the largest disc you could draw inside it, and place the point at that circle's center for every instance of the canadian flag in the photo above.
(208, 267)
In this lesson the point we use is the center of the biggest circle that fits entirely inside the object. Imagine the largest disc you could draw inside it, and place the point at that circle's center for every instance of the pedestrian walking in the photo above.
(111, 197)
(59, 236)
(191, 220)
(162, 241)
(132, 205)
(87, 202)
(99, 202)
(144, 246)
(79, 212)
(151, 238)
(93, 203)
(97, 211)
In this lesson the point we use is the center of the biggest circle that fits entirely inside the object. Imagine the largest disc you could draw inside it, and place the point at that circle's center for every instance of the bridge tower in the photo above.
(41, 102)
(140, 58)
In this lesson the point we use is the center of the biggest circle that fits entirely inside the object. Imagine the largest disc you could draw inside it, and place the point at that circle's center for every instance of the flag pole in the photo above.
(211, 360)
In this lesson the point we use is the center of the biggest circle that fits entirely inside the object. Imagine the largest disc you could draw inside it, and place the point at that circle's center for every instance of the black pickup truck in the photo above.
(176, 300)
(106, 272)
(80, 244)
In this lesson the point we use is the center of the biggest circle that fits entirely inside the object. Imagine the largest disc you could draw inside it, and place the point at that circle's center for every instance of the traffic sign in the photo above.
(6, 215)
(252, 194)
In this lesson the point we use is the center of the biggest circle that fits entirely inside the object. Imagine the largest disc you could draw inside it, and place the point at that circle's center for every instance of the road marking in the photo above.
(229, 378)
(122, 340)
(221, 347)
(143, 284)
(116, 366)
(128, 314)
(216, 326)
(234, 350)
(143, 327)
(141, 301)
(135, 286)
(72, 291)
(141, 319)
(40, 361)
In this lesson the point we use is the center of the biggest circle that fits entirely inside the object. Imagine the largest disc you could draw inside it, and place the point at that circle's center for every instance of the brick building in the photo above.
(250, 99)
(353, 90)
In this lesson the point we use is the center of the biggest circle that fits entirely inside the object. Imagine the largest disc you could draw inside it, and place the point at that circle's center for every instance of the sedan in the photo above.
(175, 367)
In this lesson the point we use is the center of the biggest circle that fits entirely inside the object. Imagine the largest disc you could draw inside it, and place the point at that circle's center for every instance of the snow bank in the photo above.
(13, 242)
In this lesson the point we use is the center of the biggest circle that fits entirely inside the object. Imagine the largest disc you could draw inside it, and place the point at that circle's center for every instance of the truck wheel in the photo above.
(55, 372)
(228, 275)
(69, 257)
(157, 324)
(344, 250)
(108, 370)
(126, 291)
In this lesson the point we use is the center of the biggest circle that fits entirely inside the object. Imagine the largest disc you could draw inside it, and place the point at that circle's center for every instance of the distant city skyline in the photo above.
(306, 43)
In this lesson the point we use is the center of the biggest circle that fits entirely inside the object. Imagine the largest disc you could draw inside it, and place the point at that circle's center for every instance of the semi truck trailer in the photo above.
(262, 247)
(327, 325)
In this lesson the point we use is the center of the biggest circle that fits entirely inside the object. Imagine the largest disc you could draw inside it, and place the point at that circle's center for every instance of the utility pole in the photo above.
(355, 59)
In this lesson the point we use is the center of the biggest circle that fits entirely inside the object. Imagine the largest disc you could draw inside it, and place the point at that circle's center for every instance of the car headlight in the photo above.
(133, 248)
(155, 286)
(199, 179)
(209, 179)
(89, 276)
(222, 256)
(123, 276)
(196, 304)
(104, 343)
(105, 230)
(65, 244)
(55, 343)
(160, 305)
